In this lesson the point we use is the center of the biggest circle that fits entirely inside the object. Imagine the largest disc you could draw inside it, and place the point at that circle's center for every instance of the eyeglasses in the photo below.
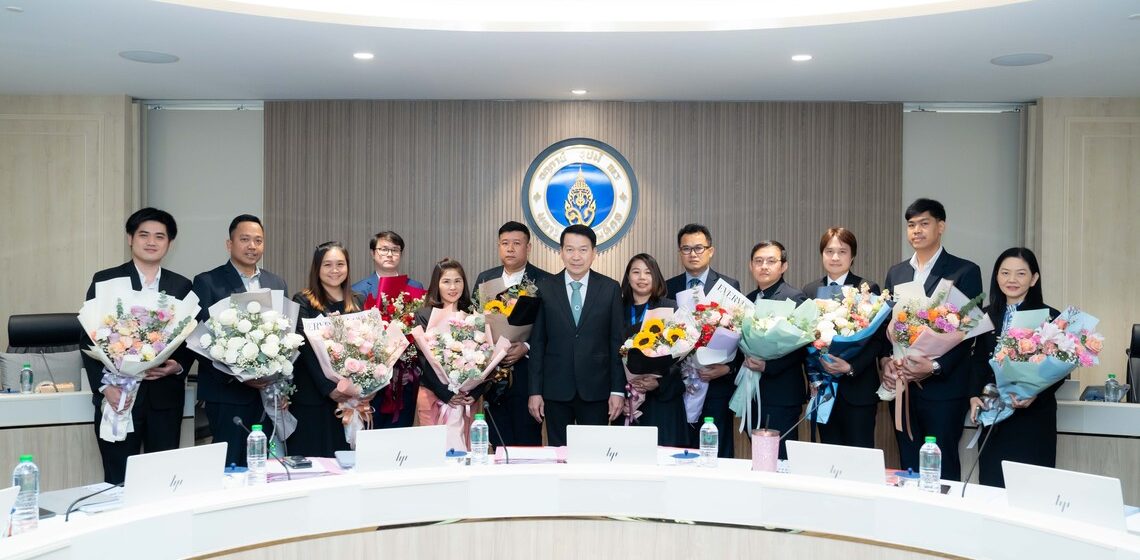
(694, 250)
(769, 262)
(389, 250)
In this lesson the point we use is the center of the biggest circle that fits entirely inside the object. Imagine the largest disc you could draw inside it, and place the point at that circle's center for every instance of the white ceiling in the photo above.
(71, 46)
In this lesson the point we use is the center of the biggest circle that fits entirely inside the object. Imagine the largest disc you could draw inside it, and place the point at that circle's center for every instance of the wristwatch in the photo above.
(850, 373)
(937, 370)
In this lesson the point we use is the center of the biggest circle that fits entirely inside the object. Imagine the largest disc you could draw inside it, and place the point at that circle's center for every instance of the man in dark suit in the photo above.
(157, 412)
(937, 407)
(783, 390)
(852, 419)
(510, 413)
(577, 373)
(226, 397)
(695, 250)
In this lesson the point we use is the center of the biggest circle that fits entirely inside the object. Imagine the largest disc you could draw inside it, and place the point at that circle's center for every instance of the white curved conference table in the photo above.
(573, 511)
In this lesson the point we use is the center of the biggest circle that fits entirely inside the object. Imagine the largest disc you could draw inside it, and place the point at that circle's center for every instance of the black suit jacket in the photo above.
(582, 360)
(783, 381)
(858, 389)
(167, 392)
(213, 286)
(954, 381)
(313, 387)
(723, 386)
(532, 272)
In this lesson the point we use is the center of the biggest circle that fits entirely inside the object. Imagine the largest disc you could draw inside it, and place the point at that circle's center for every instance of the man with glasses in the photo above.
(226, 397)
(695, 250)
(386, 249)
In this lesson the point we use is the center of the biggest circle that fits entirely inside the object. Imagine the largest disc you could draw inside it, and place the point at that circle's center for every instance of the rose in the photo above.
(228, 317)
(354, 366)
(235, 343)
(269, 316)
(1095, 343)
(1037, 358)
(249, 351)
(205, 340)
(270, 350)
(244, 326)
(1026, 346)
(256, 335)
(253, 307)
(480, 337)
(230, 357)
(217, 352)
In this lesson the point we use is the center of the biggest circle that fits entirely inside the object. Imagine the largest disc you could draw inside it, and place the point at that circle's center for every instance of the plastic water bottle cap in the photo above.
(28, 366)
(479, 416)
(709, 420)
(256, 427)
(25, 458)
(931, 439)
(1110, 376)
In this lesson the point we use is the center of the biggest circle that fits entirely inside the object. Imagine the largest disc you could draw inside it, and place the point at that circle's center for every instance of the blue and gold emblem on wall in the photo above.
(580, 181)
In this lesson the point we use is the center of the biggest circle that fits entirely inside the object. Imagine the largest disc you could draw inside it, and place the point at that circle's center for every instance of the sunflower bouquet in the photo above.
(652, 351)
(510, 311)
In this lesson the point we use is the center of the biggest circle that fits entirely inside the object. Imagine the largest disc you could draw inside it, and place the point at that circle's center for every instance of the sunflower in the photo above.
(522, 293)
(495, 306)
(655, 326)
(674, 334)
(644, 341)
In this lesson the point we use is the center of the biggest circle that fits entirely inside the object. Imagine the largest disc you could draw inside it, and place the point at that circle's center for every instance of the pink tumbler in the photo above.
(765, 450)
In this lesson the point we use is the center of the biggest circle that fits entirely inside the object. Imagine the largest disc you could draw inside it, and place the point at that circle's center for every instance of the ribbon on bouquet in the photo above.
(747, 390)
(454, 417)
(272, 397)
(633, 403)
(821, 385)
(355, 415)
(902, 399)
(115, 426)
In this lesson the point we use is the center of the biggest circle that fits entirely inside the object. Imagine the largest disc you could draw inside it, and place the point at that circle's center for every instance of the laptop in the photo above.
(400, 448)
(153, 477)
(7, 502)
(840, 462)
(1065, 494)
(617, 445)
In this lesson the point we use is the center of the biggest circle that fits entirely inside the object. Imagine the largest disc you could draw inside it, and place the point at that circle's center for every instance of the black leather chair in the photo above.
(1133, 352)
(49, 332)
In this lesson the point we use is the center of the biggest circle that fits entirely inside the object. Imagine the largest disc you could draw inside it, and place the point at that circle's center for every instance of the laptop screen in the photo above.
(153, 477)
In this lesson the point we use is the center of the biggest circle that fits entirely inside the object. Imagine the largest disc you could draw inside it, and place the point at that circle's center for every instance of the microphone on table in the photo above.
(991, 400)
(827, 395)
(238, 422)
(71, 508)
(491, 417)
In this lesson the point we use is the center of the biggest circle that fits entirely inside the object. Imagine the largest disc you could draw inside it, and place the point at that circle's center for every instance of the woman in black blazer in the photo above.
(319, 432)
(852, 419)
(448, 291)
(642, 289)
(1030, 434)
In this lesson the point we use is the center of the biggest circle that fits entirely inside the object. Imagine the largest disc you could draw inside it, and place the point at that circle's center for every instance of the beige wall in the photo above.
(1085, 194)
(68, 180)
(446, 174)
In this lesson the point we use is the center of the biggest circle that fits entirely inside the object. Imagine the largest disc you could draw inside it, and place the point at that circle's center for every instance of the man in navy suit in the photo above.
(510, 413)
(576, 372)
(695, 250)
(937, 407)
(157, 412)
(386, 248)
(226, 397)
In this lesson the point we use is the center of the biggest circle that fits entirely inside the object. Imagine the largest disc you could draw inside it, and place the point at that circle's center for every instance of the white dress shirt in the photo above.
(922, 273)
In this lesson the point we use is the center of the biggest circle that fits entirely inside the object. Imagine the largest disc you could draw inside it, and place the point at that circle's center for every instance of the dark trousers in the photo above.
(849, 424)
(560, 414)
(407, 415)
(943, 420)
(513, 422)
(717, 408)
(222, 427)
(155, 430)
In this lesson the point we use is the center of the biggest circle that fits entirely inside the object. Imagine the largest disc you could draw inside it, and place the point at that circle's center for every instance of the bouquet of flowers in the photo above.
(716, 317)
(131, 332)
(773, 330)
(843, 328)
(1030, 358)
(510, 312)
(656, 347)
(357, 351)
(459, 348)
(251, 335)
(397, 303)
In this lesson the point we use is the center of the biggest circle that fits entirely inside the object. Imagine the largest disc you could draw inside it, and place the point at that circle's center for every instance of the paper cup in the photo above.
(765, 450)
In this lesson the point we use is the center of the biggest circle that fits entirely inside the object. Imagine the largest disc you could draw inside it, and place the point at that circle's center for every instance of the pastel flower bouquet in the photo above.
(1035, 353)
(132, 331)
(358, 352)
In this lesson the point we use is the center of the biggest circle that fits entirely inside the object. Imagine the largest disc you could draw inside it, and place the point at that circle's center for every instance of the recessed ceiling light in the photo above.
(579, 91)
(15, 9)
(363, 56)
(149, 57)
(1021, 59)
(801, 57)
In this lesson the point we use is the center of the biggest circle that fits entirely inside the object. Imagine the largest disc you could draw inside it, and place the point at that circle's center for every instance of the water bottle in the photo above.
(26, 513)
(26, 379)
(1111, 388)
(710, 443)
(256, 451)
(930, 465)
(479, 435)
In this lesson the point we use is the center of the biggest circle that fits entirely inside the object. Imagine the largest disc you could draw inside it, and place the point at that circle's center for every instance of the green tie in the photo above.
(576, 300)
